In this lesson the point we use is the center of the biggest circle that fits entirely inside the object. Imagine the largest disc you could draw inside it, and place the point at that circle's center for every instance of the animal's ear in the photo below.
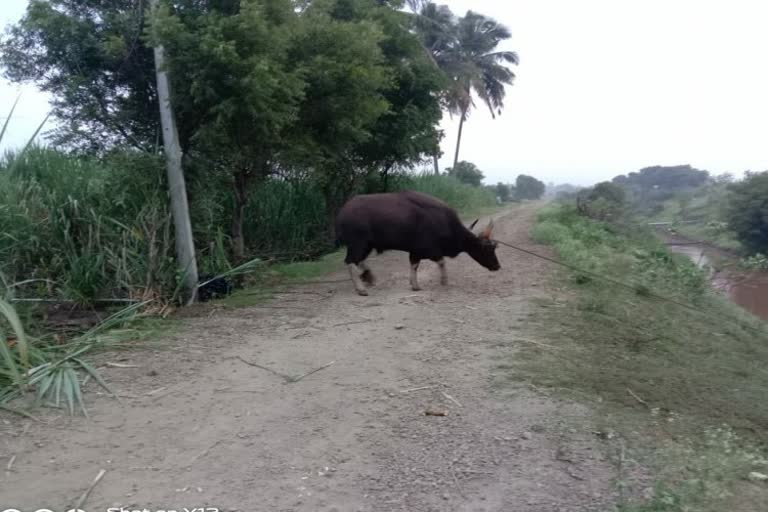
(472, 226)
(487, 231)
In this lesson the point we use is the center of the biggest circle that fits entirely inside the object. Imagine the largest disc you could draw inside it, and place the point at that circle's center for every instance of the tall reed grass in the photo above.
(81, 229)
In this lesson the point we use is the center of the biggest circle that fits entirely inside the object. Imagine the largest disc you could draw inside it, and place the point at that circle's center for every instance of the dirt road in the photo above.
(199, 427)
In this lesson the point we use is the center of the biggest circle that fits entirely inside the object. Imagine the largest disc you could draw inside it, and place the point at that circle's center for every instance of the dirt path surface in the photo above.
(199, 427)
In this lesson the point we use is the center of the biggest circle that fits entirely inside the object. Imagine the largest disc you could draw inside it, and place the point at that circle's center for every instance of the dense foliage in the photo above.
(503, 191)
(83, 228)
(528, 187)
(284, 109)
(648, 188)
(605, 201)
(466, 172)
(747, 212)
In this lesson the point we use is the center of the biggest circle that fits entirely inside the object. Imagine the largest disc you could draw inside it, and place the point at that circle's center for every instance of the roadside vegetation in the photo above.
(283, 109)
(680, 387)
(84, 237)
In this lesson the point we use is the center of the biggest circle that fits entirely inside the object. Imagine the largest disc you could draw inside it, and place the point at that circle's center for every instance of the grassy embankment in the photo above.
(684, 390)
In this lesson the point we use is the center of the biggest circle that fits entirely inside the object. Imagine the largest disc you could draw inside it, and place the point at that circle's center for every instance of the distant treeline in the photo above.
(721, 204)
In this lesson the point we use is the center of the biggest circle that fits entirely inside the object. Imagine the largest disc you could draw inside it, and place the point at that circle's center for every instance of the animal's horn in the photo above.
(472, 226)
(488, 230)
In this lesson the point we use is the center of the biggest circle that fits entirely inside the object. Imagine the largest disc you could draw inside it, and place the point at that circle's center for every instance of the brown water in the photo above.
(747, 289)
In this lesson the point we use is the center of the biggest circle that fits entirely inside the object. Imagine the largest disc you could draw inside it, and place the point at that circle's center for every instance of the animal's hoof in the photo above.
(416, 288)
(364, 293)
(368, 278)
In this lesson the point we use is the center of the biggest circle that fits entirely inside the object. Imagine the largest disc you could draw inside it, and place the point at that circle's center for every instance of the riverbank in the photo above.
(681, 383)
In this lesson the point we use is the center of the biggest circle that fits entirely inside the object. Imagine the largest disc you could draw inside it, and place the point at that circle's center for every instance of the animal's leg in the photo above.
(367, 275)
(354, 257)
(443, 273)
(414, 274)
(354, 273)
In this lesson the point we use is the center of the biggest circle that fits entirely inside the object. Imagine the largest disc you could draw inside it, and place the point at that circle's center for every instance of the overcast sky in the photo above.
(604, 87)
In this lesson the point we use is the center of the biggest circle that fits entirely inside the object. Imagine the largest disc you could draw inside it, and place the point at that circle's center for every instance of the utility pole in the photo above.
(185, 244)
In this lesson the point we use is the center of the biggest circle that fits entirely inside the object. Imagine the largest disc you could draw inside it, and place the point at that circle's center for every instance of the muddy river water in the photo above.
(747, 289)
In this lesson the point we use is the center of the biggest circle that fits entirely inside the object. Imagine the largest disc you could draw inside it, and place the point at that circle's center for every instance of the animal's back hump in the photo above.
(423, 200)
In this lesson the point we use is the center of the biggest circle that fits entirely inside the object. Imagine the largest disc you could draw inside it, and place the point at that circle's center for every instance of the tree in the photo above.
(233, 73)
(372, 101)
(409, 130)
(502, 191)
(466, 172)
(747, 211)
(528, 187)
(651, 186)
(466, 51)
(434, 24)
(334, 90)
(344, 98)
(665, 179)
(474, 64)
(605, 201)
(724, 178)
(92, 59)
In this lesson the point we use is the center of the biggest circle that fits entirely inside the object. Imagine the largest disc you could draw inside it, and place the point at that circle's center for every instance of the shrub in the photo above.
(747, 212)
(528, 187)
(466, 172)
(605, 201)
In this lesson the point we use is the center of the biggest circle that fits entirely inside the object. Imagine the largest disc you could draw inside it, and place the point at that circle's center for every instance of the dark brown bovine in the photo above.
(419, 224)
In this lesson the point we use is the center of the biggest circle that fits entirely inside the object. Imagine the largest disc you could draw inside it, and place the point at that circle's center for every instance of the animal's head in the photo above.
(486, 253)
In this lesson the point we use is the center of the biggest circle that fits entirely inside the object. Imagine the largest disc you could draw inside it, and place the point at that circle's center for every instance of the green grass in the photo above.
(468, 200)
(708, 473)
(692, 371)
(266, 282)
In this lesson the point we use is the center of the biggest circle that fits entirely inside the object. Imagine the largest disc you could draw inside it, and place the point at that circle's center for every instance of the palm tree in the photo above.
(465, 50)
(435, 25)
(474, 65)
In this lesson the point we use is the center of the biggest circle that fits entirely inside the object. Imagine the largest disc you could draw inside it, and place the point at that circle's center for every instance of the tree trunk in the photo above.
(185, 245)
(437, 165)
(458, 141)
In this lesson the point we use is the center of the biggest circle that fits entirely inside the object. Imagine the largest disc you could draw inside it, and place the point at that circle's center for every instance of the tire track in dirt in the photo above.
(199, 427)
